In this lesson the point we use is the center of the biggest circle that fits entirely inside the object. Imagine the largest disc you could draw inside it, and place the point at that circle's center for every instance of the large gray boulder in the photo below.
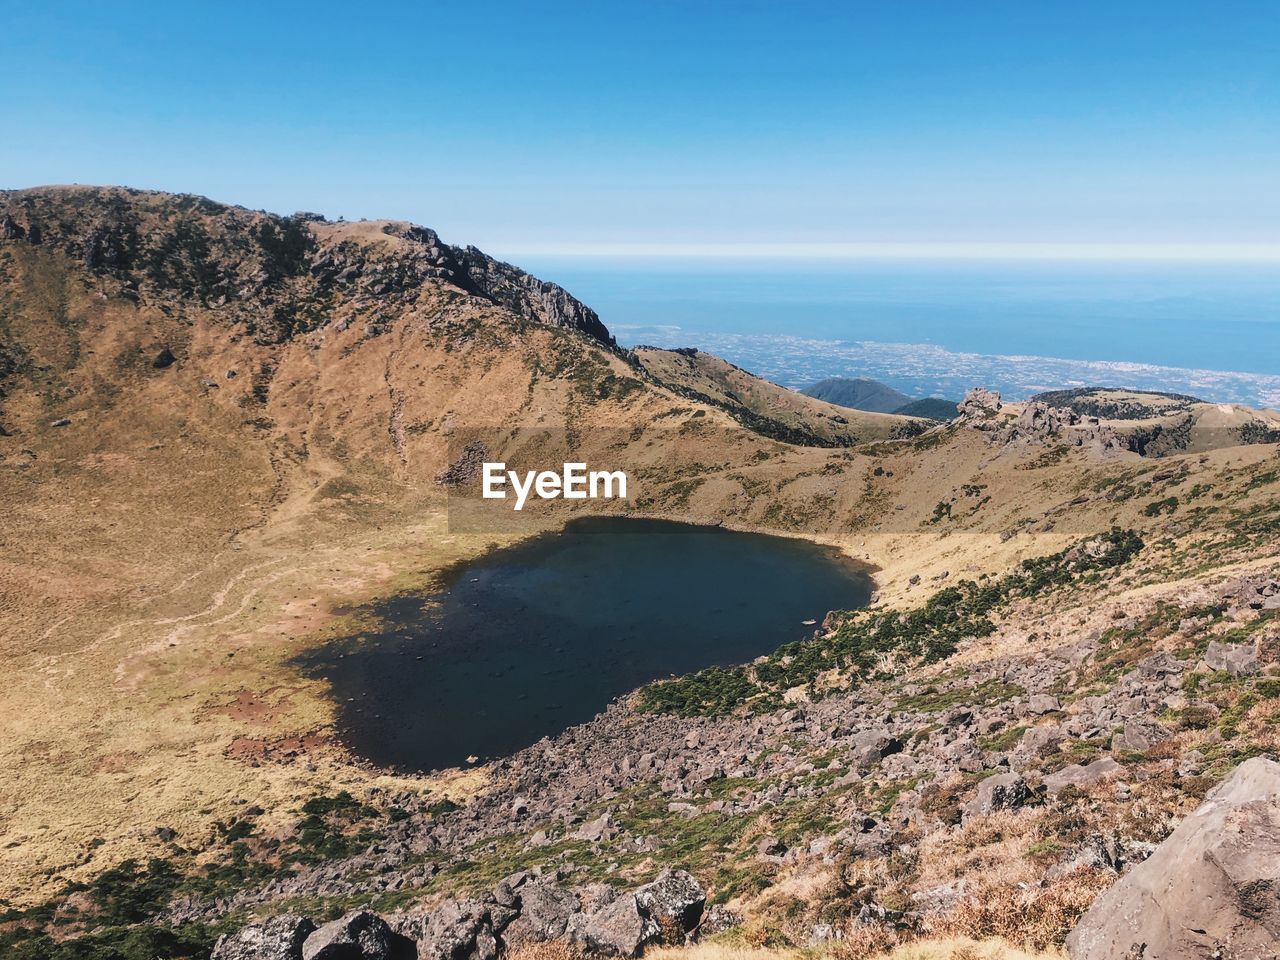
(1212, 889)
(1004, 791)
(1081, 776)
(667, 910)
(602, 828)
(278, 938)
(675, 900)
(871, 746)
(455, 930)
(1138, 737)
(1237, 659)
(618, 929)
(545, 909)
(357, 936)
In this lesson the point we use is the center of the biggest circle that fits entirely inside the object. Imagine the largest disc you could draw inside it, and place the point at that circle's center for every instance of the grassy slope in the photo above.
(704, 375)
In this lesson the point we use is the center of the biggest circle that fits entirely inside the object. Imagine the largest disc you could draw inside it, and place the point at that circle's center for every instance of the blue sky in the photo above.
(544, 127)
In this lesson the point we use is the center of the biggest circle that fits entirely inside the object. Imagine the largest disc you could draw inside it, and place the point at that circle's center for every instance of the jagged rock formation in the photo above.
(534, 299)
(1037, 422)
(158, 245)
(1110, 422)
(979, 403)
(524, 908)
(1212, 889)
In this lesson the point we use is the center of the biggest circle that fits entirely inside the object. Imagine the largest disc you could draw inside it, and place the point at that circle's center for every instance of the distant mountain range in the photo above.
(860, 393)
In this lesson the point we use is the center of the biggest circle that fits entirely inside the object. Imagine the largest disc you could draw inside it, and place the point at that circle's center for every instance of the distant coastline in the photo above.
(921, 369)
(937, 327)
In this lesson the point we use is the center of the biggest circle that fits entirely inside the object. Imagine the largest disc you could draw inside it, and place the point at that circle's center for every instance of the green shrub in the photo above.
(190, 942)
(854, 649)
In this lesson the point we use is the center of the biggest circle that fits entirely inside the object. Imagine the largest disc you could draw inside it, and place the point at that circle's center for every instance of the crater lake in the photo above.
(528, 640)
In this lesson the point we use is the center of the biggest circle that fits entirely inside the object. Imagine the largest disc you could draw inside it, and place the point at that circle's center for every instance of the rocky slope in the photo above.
(523, 909)
(1056, 771)
(226, 432)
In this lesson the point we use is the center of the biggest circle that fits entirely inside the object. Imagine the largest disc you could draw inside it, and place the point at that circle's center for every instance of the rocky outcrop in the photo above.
(279, 938)
(1258, 593)
(1212, 889)
(535, 299)
(357, 936)
(1037, 422)
(465, 467)
(1004, 791)
(10, 229)
(427, 257)
(979, 403)
(523, 909)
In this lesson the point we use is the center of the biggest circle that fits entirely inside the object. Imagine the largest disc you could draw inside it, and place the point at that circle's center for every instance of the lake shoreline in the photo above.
(383, 617)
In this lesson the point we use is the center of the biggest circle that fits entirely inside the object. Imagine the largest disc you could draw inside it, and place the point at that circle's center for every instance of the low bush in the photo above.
(856, 649)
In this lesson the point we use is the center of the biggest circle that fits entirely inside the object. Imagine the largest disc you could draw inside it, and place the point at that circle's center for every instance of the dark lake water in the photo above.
(531, 639)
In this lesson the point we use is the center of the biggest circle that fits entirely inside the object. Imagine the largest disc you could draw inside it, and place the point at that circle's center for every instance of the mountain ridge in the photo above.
(103, 232)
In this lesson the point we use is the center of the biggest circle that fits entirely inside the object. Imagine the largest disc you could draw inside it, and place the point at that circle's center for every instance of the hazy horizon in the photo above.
(696, 128)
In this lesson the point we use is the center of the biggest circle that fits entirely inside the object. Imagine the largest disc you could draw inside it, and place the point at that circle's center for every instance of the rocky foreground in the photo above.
(1209, 890)
(899, 790)
(524, 908)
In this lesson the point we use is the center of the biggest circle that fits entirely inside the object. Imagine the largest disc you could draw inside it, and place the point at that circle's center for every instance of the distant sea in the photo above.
(935, 328)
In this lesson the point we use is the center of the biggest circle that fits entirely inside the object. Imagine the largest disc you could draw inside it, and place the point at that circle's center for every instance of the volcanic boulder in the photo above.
(1212, 889)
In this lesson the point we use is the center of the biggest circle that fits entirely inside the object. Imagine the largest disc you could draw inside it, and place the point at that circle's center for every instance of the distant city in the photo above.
(921, 369)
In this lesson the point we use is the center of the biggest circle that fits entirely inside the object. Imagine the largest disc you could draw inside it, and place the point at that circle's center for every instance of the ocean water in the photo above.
(938, 327)
(532, 639)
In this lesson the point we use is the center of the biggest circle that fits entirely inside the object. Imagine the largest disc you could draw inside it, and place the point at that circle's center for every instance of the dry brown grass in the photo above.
(966, 948)
(943, 948)
(1032, 916)
(548, 950)
(723, 951)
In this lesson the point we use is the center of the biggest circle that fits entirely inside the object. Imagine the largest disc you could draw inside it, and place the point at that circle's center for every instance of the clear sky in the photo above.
(536, 126)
